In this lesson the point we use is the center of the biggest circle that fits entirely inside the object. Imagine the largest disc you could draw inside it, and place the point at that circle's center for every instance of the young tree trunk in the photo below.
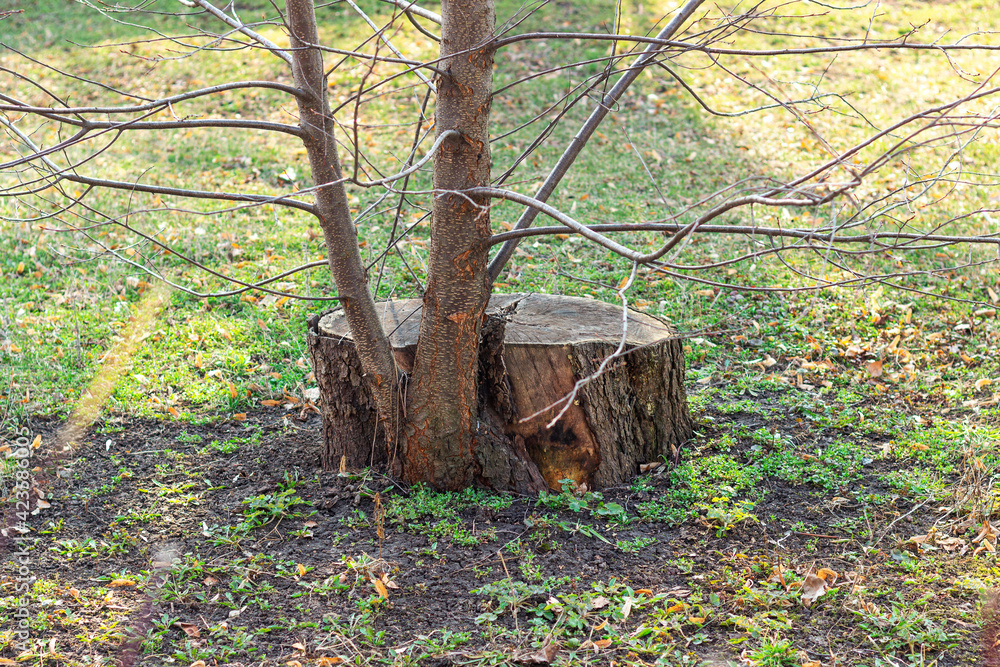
(534, 350)
(441, 411)
(334, 213)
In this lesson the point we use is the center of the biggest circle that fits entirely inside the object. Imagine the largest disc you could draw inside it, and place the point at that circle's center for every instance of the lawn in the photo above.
(835, 506)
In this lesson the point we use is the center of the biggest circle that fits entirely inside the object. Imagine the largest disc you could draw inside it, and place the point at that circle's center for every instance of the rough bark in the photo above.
(534, 349)
(333, 210)
(441, 426)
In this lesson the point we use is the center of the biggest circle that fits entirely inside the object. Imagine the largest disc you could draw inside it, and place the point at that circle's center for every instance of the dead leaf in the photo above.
(37, 442)
(542, 656)
(299, 646)
(828, 575)
(121, 583)
(210, 581)
(602, 643)
(600, 602)
(302, 569)
(627, 608)
(812, 588)
(646, 467)
(329, 661)
(380, 587)
(874, 368)
(190, 629)
(198, 663)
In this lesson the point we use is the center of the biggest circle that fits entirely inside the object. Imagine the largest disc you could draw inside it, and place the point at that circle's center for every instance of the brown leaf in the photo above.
(301, 568)
(121, 583)
(542, 656)
(874, 368)
(190, 629)
(602, 643)
(329, 661)
(210, 581)
(380, 587)
(812, 588)
(828, 575)
(600, 602)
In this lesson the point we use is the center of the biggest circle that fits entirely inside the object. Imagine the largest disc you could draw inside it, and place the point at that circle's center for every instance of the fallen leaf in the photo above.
(627, 608)
(646, 467)
(602, 643)
(302, 569)
(329, 661)
(190, 629)
(828, 575)
(542, 656)
(299, 646)
(198, 663)
(812, 588)
(600, 602)
(121, 583)
(874, 368)
(37, 442)
(380, 587)
(210, 581)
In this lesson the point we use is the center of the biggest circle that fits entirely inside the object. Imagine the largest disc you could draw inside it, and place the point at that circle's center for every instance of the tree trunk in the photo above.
(334, 213)
(534, 350)
(441, 410)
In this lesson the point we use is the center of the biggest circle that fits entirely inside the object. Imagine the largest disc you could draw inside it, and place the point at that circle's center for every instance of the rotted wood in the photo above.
(534, 349)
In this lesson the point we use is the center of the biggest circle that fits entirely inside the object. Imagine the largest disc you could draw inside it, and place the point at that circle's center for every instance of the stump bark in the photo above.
(534, 349)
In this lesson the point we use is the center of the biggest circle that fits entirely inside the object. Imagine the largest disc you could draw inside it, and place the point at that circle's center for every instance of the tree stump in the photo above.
(534, 350)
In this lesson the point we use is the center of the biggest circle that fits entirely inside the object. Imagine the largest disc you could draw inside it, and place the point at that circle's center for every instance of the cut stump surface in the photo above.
(535, 349)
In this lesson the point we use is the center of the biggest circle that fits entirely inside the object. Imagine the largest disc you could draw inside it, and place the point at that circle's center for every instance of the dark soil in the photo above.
(174, 573)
